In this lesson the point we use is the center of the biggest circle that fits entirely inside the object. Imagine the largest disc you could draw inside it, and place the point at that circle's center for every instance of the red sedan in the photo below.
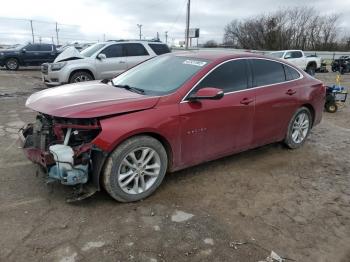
(166, 114)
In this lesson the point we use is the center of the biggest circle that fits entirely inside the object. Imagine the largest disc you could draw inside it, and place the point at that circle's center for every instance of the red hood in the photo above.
(87, 100)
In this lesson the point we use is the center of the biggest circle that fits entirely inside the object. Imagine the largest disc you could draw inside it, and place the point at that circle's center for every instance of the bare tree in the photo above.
(289, 28)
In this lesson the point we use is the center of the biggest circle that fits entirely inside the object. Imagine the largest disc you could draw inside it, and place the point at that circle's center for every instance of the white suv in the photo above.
(100, 61)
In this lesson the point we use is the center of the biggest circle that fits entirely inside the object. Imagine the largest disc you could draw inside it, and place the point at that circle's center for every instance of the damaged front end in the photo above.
(64, 148)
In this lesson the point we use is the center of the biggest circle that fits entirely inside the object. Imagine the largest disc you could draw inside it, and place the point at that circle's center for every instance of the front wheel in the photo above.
(80, 76)
(331, 107)
(135, 169)
(299, 128)
(12, 64)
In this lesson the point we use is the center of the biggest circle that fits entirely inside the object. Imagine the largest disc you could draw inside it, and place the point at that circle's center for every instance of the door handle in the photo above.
(121, 62)
(246, 101)
(291, 92)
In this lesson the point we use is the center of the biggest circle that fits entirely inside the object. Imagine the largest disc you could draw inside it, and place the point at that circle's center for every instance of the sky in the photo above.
(96, 20)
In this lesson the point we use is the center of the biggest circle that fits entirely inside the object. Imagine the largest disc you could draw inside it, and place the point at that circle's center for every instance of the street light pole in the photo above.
(57, 34)
(140, 28)
(166, 37)
(31, 26)
(187, 23)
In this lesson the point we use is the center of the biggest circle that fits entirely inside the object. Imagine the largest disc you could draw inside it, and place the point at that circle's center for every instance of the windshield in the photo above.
(91, 50)
(277, 54)
(161, 75)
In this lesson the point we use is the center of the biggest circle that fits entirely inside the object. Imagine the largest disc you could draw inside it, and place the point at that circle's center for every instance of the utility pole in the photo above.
(158, 36)
(187, 23)
(166, 37)
(140, 26)
(31, 26)
(57, 34)
(104, 37)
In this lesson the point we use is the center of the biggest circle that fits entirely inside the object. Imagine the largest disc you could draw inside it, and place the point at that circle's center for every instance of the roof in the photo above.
(216, 54)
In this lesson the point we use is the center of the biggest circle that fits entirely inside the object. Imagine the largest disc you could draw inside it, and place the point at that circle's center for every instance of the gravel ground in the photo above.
(239, 208)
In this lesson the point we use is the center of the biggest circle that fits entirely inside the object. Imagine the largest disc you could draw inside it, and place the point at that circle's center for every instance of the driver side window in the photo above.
(113, 51)
(230, 76)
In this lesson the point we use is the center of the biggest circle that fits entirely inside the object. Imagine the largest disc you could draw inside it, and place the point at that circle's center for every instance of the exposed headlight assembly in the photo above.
(58, 66)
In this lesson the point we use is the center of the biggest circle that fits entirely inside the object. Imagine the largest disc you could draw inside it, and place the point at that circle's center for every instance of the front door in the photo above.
(214, 128)
(114, 63)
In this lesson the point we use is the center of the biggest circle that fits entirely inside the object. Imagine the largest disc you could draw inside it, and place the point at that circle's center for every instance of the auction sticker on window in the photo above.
(194, 62)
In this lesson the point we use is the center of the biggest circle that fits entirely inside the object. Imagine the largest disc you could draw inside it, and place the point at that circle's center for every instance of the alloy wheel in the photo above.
(81, 78)
(300, 127)
(12, 64)
(139, 170)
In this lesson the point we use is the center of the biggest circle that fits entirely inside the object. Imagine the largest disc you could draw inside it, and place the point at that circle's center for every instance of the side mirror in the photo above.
(101, 56)
(210, 93)
(287, 56)
(24, 50)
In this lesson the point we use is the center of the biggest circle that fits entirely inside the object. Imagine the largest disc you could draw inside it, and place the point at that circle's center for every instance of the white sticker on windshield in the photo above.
(194, 62)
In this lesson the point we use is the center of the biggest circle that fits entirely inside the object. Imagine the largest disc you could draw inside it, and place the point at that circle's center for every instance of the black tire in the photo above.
(114, 164)
(12, 64)
(80, 76)
(311, 69)
(289, 141)
(331, 107)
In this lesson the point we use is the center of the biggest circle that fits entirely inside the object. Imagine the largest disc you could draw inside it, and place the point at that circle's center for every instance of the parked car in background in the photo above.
(78, 46)
(299, 59)
(100, 61)
(165, 114)
(342, 64)
(27, 55)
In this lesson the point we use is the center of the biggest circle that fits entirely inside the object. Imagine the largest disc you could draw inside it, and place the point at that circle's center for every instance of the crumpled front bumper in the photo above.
(34, 154)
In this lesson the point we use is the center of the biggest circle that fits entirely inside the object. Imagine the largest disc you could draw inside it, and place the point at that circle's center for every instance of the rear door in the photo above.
(214, 128)
(47, 54)
(277, 95)
(114, 63)
(136, 53)
(31, 55)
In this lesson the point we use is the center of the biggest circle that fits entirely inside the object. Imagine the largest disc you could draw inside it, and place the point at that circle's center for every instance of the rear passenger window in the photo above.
(231, 76)
(291, 73)
(267, 72)
(159, 49)
(135, 50)
(46, 48)
(113, 51)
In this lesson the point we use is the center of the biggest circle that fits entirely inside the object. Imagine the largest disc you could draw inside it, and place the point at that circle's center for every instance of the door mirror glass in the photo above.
(101, 56)
(210, 93)
(288, 56)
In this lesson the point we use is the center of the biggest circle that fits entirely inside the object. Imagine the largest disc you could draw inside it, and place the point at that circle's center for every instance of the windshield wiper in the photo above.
(130, 88)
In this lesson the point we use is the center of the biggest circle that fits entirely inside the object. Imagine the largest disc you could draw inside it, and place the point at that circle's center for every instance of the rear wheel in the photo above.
(135, 169)
(299, 128)
(311, 69)
(80, 76)
(12, 64)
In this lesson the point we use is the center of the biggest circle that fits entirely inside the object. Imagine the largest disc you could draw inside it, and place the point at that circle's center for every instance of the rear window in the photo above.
(291, 73)
(135, 50)
(267, 72)
(159, 49)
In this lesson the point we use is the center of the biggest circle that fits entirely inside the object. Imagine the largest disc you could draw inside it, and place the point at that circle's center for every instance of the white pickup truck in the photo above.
(299, 59)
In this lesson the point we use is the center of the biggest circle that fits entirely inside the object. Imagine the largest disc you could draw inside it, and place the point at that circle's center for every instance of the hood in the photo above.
(70, 53)
(88, 100)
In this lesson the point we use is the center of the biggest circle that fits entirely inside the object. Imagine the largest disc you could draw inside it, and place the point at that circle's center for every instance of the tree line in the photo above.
(290, 28)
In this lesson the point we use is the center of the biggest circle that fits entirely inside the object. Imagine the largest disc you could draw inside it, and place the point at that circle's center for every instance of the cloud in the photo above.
(94, 19)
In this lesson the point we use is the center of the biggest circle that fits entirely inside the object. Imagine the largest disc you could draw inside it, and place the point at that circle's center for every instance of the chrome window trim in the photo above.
(301, 76)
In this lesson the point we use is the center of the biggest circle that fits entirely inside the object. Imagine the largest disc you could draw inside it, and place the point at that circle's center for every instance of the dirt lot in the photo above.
(296, 203)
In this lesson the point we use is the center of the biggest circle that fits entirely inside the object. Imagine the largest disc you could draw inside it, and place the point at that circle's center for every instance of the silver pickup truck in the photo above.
(299, 59)
(100, 61)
